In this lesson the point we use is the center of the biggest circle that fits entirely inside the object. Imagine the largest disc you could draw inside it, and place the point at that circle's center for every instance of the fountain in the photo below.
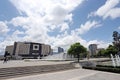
(58, 56)
(115, 60)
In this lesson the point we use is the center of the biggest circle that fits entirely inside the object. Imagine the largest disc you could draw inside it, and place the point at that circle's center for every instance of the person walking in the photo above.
(5, 57)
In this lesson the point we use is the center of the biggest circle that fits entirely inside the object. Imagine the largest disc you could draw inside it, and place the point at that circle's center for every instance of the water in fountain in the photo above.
(119, 59)
(113, 61)
(116, 60)
(58, 56)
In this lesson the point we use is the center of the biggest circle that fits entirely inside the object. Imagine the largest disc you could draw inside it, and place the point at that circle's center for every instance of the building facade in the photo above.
(93, 49)
(9, 49)
(60, 50)
(28, 49)
(45, 49)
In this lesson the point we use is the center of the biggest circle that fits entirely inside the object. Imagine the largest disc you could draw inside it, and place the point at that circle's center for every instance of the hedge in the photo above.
(108, 69)
(107, 66)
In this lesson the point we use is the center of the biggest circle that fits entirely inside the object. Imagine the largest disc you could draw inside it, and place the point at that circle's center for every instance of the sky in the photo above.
(59, 23)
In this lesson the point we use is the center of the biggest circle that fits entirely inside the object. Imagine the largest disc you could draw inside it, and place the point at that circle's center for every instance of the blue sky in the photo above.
(59, 22)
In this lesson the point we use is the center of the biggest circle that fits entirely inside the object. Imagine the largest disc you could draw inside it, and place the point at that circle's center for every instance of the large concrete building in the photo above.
(93, 49)
(60, 50)
(9, 49)
(28, 49)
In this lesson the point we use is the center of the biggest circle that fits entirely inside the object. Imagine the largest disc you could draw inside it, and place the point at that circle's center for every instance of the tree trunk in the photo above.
(78, 56)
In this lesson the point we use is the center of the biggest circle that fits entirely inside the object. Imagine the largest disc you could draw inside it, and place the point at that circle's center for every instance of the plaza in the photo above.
(75, 74)
(70, 74)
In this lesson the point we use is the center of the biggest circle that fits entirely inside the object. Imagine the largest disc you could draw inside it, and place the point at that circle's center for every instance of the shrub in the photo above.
(107, 66)
(108, 69)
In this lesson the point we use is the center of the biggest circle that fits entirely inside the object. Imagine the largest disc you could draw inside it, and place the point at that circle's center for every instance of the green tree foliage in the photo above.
(76, 50)
(101, 53)
(106, 53)
(111, 50)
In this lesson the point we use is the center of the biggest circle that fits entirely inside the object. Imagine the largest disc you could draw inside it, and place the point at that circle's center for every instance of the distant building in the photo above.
(60, 50)
(9, 49)
(45, 49)
(93, 49)
(28, 49)
(99, 49)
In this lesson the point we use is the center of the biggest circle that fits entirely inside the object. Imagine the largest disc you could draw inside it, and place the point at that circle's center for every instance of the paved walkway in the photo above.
(36, 62)
(22, 63)
(75, 74)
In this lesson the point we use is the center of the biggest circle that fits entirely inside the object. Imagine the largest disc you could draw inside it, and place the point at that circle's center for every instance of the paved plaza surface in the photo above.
(22, 63)
(74, 74)
(37, 62)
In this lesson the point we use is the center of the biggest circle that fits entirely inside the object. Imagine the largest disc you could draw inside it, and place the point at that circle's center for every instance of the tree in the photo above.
(76, 50)
(111, 50)
(101, 53)
(116, 40)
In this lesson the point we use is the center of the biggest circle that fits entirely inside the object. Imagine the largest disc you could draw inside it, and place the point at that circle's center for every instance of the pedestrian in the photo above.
(5, 57)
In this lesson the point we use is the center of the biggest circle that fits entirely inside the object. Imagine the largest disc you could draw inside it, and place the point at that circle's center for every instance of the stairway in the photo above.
(6, 73)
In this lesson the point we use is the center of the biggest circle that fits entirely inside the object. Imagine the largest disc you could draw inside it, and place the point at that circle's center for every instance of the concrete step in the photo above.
(6, 73)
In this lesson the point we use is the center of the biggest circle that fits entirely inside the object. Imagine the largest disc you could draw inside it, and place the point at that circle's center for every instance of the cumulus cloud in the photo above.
(39, 17)
(3, 28)
(3, 44)
(64, 27)
(9, 40)
(113, 13)
(109, 9)
(65, 40)
(100, 44)
(43, 16)
(52, 10)
(87, 26)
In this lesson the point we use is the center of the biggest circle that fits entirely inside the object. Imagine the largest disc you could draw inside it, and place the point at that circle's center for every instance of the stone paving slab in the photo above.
(76, 74)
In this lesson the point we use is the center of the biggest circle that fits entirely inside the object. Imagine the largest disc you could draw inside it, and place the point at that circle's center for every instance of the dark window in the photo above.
(36, 47)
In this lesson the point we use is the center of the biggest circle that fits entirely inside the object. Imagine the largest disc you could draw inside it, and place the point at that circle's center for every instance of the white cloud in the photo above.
(106, 7)
(64, 27)
(3, 45)
(3, 28)
(66, 40)
(100, 44)
(109, 9)
(113, 13)
(42, 7)
(52, 10)
(19, 21)
(43, 16)
(86, 27)
(9, 40)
